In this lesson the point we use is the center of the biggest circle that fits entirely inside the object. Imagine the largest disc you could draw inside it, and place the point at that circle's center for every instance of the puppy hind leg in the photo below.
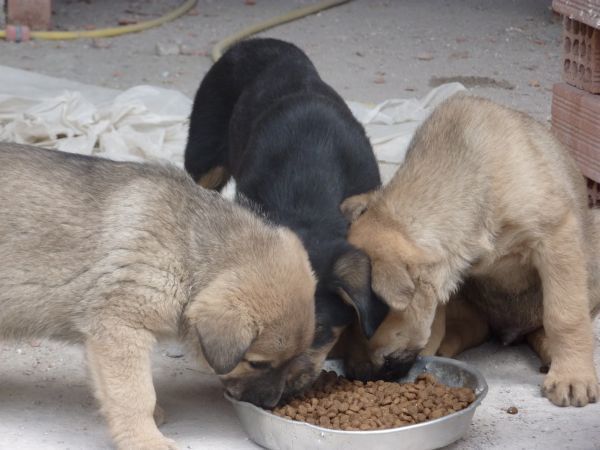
(560, 261)
(206, 152)
(465, 328)
(120, 367)
(216, 178)
(539, 344)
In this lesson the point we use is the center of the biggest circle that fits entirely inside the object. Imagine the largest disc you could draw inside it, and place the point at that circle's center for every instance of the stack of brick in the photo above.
(2, 16)
(34, 14)
(576, 101)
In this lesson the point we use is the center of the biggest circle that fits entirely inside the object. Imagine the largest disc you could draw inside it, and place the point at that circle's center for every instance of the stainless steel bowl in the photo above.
(276, 433)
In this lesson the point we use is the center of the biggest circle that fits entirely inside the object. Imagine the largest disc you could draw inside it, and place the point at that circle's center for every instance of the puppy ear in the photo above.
(354, 206)
(352, 272)
(225, 330)
(393, 283)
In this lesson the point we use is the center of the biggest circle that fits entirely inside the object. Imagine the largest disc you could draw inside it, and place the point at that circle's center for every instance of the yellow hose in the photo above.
(224, 44)
(111, 32)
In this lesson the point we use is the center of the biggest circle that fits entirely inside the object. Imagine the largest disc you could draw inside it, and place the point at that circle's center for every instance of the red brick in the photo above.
(576, 123)
(36, 14)
(2, 16)
(581, 55)
(584, 11)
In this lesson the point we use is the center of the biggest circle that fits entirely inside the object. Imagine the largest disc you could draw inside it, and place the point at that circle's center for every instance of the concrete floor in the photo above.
(369, 51)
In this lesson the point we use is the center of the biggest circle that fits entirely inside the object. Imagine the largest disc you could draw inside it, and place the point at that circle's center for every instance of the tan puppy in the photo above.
(485, 193)
(476, 311)
(117, 255)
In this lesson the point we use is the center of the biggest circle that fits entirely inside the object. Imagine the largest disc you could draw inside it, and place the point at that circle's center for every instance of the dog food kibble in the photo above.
(338, 403)
(512, 410)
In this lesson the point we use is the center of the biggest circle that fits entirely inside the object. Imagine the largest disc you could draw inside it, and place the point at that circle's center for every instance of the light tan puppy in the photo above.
(485, 193)
(117, 255)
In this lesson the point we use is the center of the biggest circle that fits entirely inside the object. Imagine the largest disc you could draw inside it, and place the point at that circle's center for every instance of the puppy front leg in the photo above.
(122, 377)
(438, 331)
(560, 261)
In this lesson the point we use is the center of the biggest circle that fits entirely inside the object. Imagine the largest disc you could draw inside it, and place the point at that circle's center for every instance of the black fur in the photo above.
(296, 152)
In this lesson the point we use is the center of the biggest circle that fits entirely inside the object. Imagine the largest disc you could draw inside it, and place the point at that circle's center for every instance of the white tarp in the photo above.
(150, 123)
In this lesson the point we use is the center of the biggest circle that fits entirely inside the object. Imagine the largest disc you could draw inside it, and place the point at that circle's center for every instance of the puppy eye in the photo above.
(259, 365)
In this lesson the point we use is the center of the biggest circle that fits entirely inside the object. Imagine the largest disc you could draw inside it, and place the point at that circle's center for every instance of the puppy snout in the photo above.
(396, 367)
(363, 371)
(264, 391)
(265, 399)
(301, 375)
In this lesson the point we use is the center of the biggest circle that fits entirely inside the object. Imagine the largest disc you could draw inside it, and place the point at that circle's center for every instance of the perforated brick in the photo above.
(593, 190)
(581, 55)
(576, 123)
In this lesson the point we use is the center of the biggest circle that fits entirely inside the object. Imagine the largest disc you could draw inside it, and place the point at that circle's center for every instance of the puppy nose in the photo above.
(267, 400)
(361, 372)
(396, 368)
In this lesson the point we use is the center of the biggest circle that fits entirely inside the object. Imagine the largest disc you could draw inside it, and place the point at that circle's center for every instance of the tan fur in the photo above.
(438, 332)
(486, 196)
(118, 255)
(464, 327)
(215, 178)
(468, 327)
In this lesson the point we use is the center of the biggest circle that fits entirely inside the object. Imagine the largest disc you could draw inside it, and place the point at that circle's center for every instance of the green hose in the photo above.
(224, 44)
(111, 32)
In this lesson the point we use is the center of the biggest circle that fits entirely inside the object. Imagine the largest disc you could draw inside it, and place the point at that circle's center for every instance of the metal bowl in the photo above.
(276, 433)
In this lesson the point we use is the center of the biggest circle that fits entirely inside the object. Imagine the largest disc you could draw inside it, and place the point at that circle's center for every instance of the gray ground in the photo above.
(369, 51)
(507, 50)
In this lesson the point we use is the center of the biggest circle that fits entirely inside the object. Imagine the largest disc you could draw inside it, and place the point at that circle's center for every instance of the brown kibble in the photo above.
(412, 410)
(337, 403)
(437, 413)
(512, 410)
(324, 421)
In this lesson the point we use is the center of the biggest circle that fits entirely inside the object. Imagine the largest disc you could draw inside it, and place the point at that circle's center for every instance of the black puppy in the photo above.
(263, 115)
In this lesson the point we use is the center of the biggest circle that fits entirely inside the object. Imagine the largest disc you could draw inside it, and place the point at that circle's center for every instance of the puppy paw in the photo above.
(570, 389)
(158, 443)
(162, 444)
(159, 415)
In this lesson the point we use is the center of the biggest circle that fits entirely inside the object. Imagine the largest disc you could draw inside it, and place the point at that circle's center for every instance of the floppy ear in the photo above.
(352, 272)
(393, 283)
(354, 206)
(225, 330)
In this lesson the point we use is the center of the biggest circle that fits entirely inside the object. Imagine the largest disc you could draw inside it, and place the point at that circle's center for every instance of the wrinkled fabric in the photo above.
(148, 123)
